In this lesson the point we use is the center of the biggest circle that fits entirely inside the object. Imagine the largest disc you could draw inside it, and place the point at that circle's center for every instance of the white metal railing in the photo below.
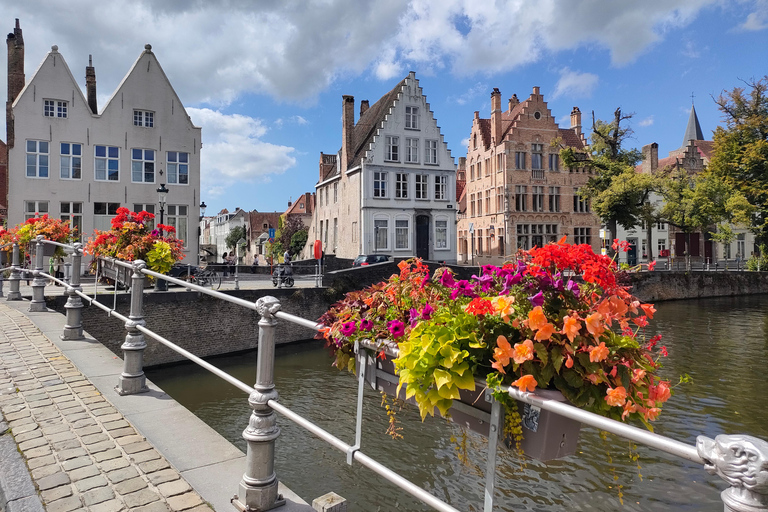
(739, 459)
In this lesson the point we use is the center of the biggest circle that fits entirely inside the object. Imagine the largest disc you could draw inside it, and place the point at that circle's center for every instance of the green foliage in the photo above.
(235, 234)
(285, 231)
(760, 261)
(298, 241)
(160, 258)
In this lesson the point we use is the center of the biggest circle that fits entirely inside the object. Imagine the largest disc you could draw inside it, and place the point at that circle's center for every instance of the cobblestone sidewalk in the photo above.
(81, 452)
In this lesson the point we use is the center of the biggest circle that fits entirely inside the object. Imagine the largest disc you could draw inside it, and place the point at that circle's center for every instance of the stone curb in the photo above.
(17, 492)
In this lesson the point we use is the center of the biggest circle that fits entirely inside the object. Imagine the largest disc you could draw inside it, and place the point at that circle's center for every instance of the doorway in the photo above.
(422, 236)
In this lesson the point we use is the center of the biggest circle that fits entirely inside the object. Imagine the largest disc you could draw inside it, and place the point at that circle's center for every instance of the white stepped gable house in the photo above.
(72, 162)
(391, 189)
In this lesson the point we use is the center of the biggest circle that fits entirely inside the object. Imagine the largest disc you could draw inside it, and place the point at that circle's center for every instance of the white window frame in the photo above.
(412, 150)
(106, 159)
(147, 160)
(430, 152)
(143, 118)
(441, 233)
(401, 185)
(149, 208)
(441, 188)
(103, 221)
(55, 108)
(178, 217)
(421, 186)
(40, 158)
(379, 185)
(72, 211)
(177, 167)
(34, 209)
(335, 193)
(392, 149)
(402, 234)
(380, 233)
(411, 117)
(70, 158)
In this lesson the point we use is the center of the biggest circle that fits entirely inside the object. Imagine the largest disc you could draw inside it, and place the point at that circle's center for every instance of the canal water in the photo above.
(721, 343)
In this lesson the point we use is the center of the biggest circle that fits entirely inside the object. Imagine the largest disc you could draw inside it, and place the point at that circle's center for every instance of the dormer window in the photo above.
(55, 108)
(412, 118)
(144, 118)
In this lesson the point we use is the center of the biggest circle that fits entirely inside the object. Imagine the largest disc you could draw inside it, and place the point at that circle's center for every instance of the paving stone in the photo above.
(108, 506)
(131, 485)
(71, 453)
(69, 409)
(101, 447)
(165, 475)
(151, 466)
(86, 431)
(157, 506)
(55, 480)
(93, 402)
(107, 455)
(174, 488)
(46, 414)
(120, 475)
(57, 493)
(26, 436)
(93, 482)
(113, 464)
(130, 439)
(54, 428)
(37, 404)
(20, 422)
(99, 495)
(122, 432)
(113, 425)
(83, 423)
(32, 443)
(76, 415)
(95, 438)
(106, 418)
(38, 452)
(139, 498)
(22, 429)
(185, 501)
(78, 462)
(67, 444)
(200, 508)
(62, 436)
(41, 461)
(62, 398)
(137, 447)
(64, 504)
(17, 415)
(84, 472)
(44, 471)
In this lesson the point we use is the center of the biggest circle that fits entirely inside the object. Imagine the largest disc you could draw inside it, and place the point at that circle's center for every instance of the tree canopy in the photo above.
(235, 234)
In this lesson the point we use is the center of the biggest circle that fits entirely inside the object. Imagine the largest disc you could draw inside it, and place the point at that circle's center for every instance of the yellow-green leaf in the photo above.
(442, 378)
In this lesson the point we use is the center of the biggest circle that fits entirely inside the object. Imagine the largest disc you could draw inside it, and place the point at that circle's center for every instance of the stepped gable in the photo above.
(366, 126)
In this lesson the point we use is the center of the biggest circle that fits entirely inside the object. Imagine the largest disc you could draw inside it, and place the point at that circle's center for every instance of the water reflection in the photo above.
(721, 343)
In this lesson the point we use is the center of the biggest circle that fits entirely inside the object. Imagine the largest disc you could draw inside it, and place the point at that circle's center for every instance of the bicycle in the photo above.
(204, 276)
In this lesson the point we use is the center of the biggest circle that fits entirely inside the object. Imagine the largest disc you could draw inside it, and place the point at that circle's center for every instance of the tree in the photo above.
(235, 234)
(299, 240)
(740, 155)
(285, 231)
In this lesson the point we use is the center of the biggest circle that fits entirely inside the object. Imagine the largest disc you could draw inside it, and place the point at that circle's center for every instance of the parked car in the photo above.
(367, 259)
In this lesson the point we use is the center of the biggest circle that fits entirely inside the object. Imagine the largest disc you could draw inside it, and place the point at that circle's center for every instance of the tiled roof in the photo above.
(366, 126)
(706, 148)
(306, 200)
(460, 186)
(570, 138)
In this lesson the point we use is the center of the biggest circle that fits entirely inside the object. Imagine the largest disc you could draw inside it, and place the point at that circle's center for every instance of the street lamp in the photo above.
(203, 206)
(162, 192)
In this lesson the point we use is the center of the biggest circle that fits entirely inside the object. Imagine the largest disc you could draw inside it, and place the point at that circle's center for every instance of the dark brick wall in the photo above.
(660, 286)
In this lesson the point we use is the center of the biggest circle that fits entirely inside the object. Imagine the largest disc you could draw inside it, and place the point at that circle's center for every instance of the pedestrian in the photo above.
(287, 257)
(225, 260)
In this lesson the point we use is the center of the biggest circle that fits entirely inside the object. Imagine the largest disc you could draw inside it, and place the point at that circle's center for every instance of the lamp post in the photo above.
(162, 193)
(203, 206)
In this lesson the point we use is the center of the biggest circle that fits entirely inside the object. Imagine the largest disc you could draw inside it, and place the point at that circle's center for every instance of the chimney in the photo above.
(576, 120)
(496, 116)
(15, 42)
(347, 129)
(536, 91)
(650, 158)
(363, 107)
(513, 102)
(90, 85)
(289, 204)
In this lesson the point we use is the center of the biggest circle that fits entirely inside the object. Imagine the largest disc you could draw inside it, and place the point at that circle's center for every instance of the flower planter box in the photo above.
(4, 258)
(120, 275)
(546, 436)
(48, 250)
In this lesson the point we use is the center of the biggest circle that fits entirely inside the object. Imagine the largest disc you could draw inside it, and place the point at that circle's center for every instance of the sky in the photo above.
(265, 79)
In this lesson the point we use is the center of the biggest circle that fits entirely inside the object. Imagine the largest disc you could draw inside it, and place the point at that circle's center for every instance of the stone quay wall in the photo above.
(666, 285)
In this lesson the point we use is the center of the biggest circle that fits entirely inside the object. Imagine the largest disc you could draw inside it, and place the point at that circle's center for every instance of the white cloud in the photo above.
(465, 142)
(757, 20)
(233, 152)
(648, 121)
(471, 94)
(690, 50)
(575, 84)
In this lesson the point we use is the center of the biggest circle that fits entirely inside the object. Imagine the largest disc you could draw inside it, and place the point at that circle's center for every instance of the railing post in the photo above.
(132, 380)
(15, 278)
(73, 329)
(258, 488)
(742, 461)
(37, 304)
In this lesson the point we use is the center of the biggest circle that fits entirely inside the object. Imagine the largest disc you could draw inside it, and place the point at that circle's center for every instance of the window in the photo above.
(441, 183)
(401, 185)
(472, 204)
(499, 199)
(741, 246)
(34, 209)
(480, 204)
(554, 162)
(335, 233)
(142, 166)
(422, 186)
(537, 235)
(412, 151)
(335, 194)
(480, 242)
(472, 172)
(103, 214)
(554, 199)
(37, 159)
(520, 198)
(55, 108)
(393, 144)
(551, 230)
(107, 165)
(474, 141)
(662, 245)
(488, 201)
(661, 225)
(583, 236)
(71, 161)
(379, 184)
(487, 166)
(523, 240)
(177, 165)
(381, 228)
(501, 242)
(143, 118)
(412, 118)
(149, 208)
(73, 212)
(301, 206)
(537, 158)
(580, 204)
(479, 170)
(537, 202)
(441, 234)
(519, 160)
(430, 152)
(401, 234)
(177, 217)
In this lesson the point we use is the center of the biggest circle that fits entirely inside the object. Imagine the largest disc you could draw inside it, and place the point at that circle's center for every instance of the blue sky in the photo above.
(265, 79)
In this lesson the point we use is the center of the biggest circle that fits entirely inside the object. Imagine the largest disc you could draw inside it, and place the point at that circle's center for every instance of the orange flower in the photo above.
(616, 397)
(618, 306)
(595, 324)
(598, 353)
(569, 362)
(546, 332)
(525, 383)
(503, 305)
(637, 374)
(536, 318)
(629, 408)
(652, 413)
(649, 310)
(571, 327)
(502, 353)
(662, 392)
(523, 352)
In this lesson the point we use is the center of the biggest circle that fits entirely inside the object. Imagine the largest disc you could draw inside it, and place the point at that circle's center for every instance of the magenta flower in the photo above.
(446, 279)
(366, 325)
(348, 328)
(537, 300)
(396, 328)
(426, 312)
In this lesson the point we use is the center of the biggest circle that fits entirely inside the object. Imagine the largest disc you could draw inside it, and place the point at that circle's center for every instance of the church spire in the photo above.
(693, 130)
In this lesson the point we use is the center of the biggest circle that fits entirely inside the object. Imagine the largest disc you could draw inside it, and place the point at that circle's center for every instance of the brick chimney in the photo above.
(363, 107)
(536, 91)
(90, 85)
(576, 120)
(496, 116)
(347, 130)
(513, 102)
(650, 158)
(15, 42)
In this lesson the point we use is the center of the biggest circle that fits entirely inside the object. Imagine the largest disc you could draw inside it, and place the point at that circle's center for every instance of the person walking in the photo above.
(225, 261)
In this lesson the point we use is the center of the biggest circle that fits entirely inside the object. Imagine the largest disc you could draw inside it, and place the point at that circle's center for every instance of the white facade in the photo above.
(74, 164)
(222, 225)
